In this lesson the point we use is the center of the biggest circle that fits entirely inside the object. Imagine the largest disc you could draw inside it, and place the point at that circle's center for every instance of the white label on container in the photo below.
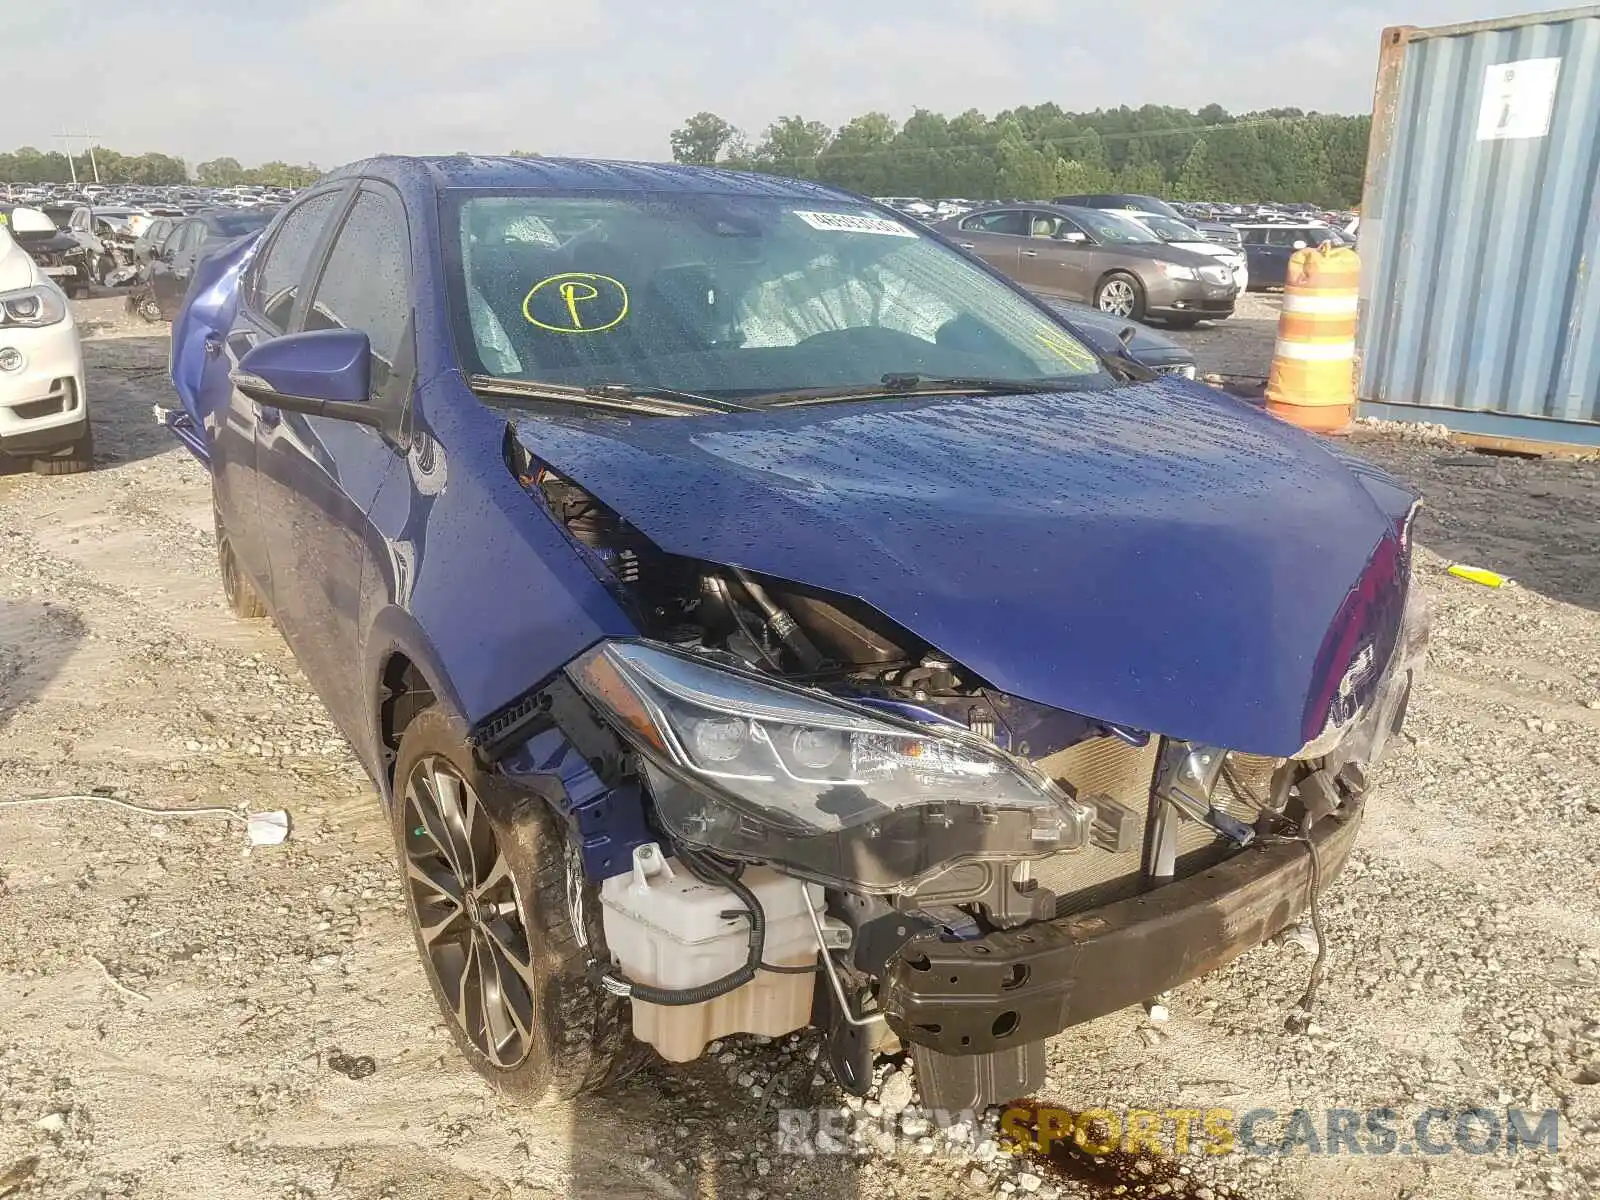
(1518, 99)
(850, 223)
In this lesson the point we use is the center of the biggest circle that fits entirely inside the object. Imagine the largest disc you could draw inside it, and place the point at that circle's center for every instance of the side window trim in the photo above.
(396, 391)
(1020, 215)
(264, 251)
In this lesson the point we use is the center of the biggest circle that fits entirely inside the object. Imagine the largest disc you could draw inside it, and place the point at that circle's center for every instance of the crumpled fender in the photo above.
(208, 310)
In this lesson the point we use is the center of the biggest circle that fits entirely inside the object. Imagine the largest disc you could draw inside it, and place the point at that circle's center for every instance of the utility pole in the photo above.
(71, 166)
(88, 139)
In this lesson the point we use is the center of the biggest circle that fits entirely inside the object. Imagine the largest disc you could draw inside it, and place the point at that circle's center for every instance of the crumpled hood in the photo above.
(1159, 556)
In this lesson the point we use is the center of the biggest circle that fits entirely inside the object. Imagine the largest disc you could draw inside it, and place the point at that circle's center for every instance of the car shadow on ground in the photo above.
(36, 638)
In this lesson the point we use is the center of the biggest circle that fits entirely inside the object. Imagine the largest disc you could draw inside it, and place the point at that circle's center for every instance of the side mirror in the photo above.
(1299, 245)
(1075, 237)
(323, 373)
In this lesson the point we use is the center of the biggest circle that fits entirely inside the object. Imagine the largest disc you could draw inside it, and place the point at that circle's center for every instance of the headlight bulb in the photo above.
(719, 739)
(815, 749)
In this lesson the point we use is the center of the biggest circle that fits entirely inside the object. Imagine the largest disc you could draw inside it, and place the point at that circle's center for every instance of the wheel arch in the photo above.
(404, 676)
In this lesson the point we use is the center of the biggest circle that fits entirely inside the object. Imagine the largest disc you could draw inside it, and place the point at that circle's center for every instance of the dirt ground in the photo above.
(175, 1006)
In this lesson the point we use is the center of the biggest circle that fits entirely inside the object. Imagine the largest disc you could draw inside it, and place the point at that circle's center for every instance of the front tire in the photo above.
(1120, 294)
(486, 877)
(76, 458)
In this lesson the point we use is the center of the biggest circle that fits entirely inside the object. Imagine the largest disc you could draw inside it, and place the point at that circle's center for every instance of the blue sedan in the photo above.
(755, 613)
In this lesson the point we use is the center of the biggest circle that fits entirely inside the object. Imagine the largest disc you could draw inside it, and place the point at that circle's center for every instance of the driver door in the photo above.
(268, 301)
(1053, 264)
(996, 237)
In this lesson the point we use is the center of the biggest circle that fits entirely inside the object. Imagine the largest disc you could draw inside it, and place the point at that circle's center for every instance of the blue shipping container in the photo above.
(1480, 229)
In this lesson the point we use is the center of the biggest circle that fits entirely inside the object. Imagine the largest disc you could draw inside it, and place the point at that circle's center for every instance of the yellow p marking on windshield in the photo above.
(588, 303)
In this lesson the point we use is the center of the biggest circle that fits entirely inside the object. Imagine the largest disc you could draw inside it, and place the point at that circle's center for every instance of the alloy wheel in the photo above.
(1117, 298)
(469, 913)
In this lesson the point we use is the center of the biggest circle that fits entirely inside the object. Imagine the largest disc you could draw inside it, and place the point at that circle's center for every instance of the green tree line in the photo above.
(1033, 153)
(31, 165)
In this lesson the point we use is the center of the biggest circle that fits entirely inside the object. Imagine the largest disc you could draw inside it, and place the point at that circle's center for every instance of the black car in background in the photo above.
(59, 255)
(1270, 245)
(172, 263)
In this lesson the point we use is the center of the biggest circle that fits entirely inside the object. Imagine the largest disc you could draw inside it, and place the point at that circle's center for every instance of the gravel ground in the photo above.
(175, 1007)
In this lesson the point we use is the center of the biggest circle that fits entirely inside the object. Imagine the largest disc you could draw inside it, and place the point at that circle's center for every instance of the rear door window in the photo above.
(366, 284)
(283, 267)
(1011, 221)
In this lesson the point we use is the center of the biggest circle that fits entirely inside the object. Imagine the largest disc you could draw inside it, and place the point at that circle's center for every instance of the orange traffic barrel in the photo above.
(1313, 382)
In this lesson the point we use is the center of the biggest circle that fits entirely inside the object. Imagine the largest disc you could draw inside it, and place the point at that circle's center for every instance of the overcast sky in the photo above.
(327, 81)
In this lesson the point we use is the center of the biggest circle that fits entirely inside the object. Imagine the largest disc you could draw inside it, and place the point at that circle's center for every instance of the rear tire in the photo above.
(241, 594)
(1120, 295)
(74, 460)
(486, 875)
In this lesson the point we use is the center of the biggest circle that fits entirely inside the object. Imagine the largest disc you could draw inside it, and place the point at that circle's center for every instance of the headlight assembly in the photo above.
(756, 770)
(31, 308)
(1179, 271)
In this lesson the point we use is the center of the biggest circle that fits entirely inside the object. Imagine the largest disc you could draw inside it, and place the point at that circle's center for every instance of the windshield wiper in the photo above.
(911, 383)
(613, 397)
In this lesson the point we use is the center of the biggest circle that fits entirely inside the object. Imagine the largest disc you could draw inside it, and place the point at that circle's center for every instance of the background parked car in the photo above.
(1101, 258)
(44, 415)
(154, 234)
(172, 264)
(1119, 336)
(1186, 237)
(58, 255)
(1270, 246)
(1215, 231)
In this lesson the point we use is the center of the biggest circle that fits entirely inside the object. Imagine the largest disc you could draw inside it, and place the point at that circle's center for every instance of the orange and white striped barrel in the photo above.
(1313, 383)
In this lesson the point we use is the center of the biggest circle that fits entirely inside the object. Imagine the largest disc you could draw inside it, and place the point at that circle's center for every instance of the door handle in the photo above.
(1030, 254)
(967, 245)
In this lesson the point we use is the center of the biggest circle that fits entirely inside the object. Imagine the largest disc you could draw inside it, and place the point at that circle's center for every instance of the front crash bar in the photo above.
(1021, 985)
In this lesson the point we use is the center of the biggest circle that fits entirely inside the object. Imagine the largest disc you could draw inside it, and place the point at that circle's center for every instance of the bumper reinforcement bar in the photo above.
(1021, 985)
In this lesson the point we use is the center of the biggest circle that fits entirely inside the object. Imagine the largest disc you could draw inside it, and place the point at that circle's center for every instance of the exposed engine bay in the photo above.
(928, 810)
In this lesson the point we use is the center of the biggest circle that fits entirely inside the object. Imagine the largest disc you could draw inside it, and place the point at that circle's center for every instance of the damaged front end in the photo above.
(795, 811)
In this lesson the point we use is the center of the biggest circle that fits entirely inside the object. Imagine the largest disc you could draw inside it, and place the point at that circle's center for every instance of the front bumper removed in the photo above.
(1019, 986)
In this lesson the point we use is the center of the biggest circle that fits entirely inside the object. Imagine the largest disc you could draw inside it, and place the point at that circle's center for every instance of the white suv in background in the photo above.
(44, 415)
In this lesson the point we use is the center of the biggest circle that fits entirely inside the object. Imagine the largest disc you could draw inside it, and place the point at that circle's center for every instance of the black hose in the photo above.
(744, 628)
(1299, 1021)
(737, 978)
(781, 623)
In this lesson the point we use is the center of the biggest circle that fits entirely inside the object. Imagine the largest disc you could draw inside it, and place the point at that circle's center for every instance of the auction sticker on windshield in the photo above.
(850, 223)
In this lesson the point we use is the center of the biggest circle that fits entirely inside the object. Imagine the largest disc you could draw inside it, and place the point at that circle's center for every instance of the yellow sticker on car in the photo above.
(1068, 350)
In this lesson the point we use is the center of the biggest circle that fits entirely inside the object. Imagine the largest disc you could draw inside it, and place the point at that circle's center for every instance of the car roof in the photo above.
(580, 174)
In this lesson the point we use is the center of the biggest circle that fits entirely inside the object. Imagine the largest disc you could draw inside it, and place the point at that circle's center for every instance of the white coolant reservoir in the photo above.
(666, 928)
